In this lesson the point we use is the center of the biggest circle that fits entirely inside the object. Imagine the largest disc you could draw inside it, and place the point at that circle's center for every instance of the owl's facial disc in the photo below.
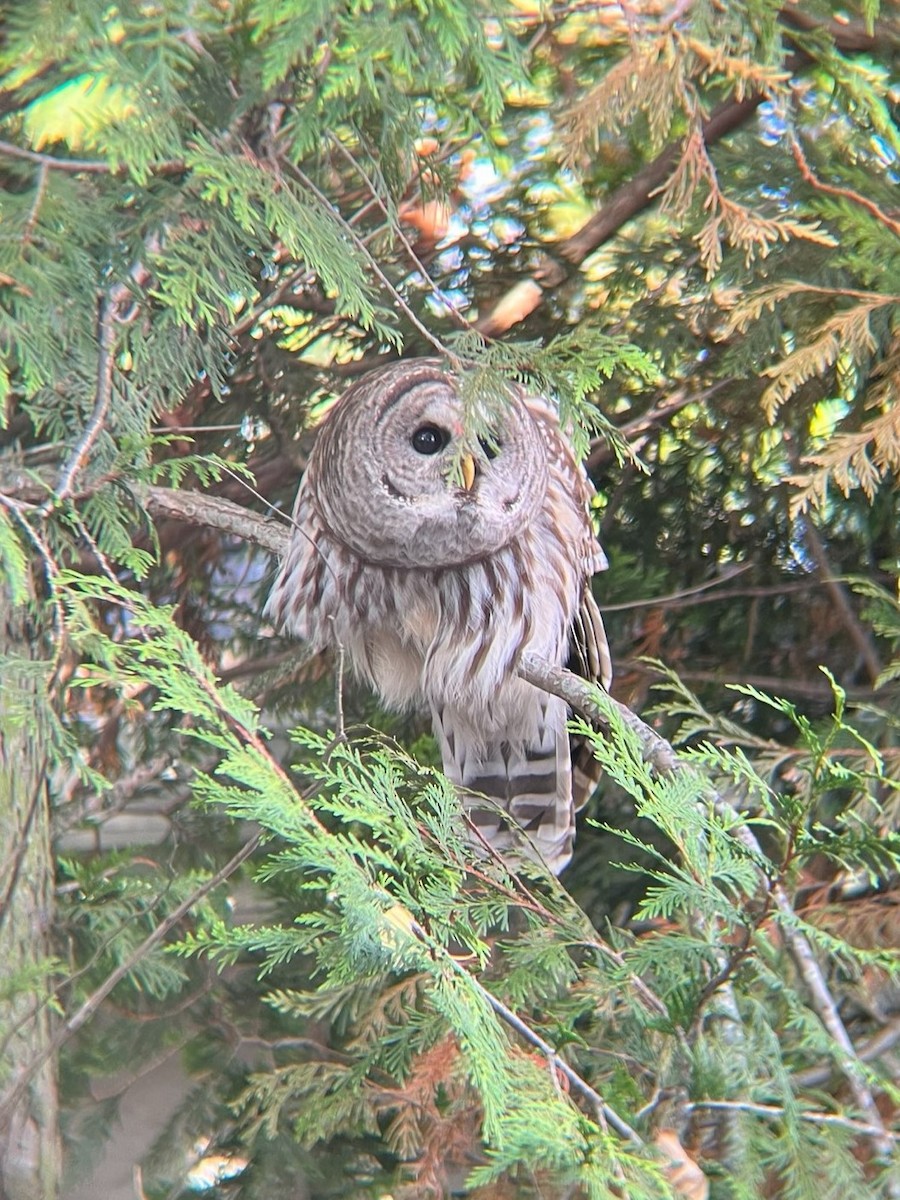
(391, 444)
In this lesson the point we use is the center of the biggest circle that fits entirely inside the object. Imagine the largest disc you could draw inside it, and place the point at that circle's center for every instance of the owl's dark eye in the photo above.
(491, 448)
(429, 439)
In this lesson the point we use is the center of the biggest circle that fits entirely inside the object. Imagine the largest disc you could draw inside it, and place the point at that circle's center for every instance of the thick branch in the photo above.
(850, 37)
(638, 192)
(197, 508)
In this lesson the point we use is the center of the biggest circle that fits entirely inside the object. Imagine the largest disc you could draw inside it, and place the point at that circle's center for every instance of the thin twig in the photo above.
(40, 189)
(515, 1022)
(860, 638)
(690, 598)
(661, 601)
(58, 164)
(80, 453)
(774, 1110)
(100, 806)
(397, 230)
(845, 193)
(375, 268)
(14, 865)
(95, 166)
(18, 511)
(340, 731)
(873, 1047)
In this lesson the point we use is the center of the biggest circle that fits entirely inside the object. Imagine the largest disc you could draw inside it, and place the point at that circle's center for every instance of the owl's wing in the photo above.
(589, 657)
(510, 786)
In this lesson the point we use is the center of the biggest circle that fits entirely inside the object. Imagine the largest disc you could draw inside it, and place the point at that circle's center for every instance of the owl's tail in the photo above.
(518, 794)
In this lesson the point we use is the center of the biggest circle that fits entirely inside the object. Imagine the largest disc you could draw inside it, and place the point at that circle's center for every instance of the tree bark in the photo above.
(30, 1154)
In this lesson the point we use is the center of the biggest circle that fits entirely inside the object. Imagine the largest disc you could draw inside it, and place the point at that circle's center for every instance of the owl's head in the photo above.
(381, 471)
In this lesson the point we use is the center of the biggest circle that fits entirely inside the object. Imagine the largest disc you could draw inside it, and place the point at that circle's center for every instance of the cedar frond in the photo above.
(649, 80)
(861, 459)
(693, 166)
(747, 311)
(746, 76)
(729, 220)
(848, 331)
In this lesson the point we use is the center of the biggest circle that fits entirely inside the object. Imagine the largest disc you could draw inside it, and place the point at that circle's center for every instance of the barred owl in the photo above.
(436, 582)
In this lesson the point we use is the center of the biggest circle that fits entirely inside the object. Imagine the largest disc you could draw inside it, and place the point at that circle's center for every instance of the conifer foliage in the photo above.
(680, 220)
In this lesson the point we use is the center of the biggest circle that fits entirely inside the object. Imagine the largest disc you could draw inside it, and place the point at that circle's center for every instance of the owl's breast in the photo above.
(418, 621)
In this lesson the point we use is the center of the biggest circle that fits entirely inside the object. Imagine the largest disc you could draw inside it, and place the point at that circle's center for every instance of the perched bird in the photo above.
(436, 564)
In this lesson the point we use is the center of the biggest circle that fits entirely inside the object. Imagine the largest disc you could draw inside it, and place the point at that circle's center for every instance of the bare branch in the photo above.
(40, 189)
(773, 1111)
(105, 368)
(397, 231)
(860, 638)
(656, 750)
(101, 806)
(845, 193)
(872, 1048)
(638, 193)
(197, 508)
(59, 164)
(375, 268)
(91, 165)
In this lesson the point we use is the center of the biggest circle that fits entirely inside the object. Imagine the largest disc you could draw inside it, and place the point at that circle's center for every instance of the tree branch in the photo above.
(637, 194)
(197, 508)
(845, 193)
(604, 1112)
(859, 636)
(91, 165)
(105, 369)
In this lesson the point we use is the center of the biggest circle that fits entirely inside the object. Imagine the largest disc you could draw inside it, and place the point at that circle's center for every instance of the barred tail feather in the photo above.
(517, 795)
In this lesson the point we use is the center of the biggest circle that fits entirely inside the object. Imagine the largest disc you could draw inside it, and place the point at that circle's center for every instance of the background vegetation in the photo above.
(681, 219)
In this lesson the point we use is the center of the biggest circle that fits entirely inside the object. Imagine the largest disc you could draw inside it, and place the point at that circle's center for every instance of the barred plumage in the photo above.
(436, 589)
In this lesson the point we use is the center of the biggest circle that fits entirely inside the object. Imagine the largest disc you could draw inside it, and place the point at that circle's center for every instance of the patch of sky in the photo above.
(772, 125)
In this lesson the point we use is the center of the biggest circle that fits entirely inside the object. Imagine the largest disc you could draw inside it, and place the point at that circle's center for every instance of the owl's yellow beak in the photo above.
(467, 466)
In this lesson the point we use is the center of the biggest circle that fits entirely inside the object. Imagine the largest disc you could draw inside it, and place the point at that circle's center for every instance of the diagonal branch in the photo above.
(843, 193)
(661, 755)
(838, 593)
(638, 193)
(604, 1112)
(105, 369)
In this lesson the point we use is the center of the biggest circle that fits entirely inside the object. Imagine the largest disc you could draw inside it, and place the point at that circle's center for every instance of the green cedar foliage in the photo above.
(213, 215)
(400, 930)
